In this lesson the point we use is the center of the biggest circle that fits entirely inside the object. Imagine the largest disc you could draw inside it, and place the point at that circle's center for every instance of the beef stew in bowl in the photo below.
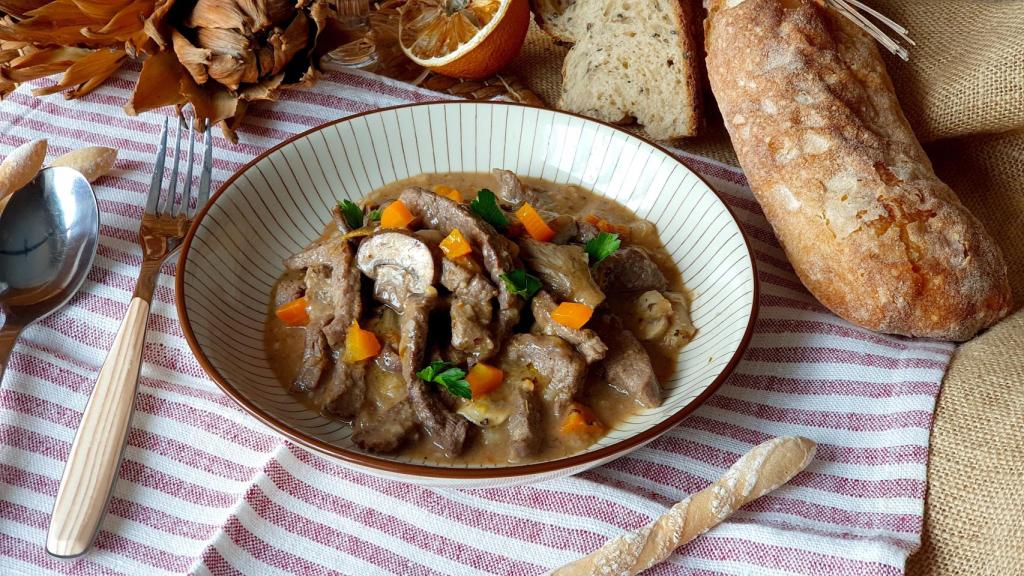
(444, 320)
(275, 205)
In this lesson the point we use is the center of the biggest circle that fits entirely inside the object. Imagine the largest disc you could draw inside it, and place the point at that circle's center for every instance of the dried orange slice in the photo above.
(463, 38)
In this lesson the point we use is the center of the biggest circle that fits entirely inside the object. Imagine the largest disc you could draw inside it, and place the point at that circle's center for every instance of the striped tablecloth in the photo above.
(206, 489)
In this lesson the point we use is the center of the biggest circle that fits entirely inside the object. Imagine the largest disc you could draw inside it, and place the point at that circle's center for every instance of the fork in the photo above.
(95, 456)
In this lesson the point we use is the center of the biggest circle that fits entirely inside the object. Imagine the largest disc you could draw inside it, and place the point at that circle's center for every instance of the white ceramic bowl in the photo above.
(280, 201)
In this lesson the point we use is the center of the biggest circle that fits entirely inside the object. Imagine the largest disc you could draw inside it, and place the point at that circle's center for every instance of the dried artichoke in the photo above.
(219, 54)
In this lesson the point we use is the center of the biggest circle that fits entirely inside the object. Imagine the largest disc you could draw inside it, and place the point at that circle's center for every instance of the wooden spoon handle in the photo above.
(96, 452)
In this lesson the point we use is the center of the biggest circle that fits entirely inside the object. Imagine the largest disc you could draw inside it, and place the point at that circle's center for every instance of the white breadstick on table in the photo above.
(21, 166)
(763, 469)
(91, 161)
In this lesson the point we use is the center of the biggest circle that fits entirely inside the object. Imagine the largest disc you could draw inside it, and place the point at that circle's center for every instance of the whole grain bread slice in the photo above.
(556, 18)
(631, 60)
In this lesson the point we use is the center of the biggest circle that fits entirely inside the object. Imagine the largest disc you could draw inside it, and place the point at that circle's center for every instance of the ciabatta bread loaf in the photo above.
(817, 128)
(630, 60)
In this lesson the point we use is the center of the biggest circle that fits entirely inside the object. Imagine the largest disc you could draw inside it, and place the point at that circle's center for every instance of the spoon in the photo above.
(48, 236)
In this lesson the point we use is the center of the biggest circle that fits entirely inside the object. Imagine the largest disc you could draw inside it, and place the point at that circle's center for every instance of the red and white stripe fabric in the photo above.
(205, 489)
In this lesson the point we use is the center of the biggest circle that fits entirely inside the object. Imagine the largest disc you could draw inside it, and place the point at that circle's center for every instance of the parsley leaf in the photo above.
(374, 215)
(447, 375)
(352, 212)
(521, 284)
(486, 206)
(602, 246)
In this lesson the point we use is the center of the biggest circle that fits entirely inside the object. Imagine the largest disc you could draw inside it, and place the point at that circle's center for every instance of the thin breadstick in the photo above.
(21, 166)
(763, 469)
(91, 161)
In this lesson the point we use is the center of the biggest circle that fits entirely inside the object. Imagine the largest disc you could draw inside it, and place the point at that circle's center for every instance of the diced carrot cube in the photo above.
(294, 313)
(484, 379)
(581, 421)
(572, 315)
(396, 215)
(360, 344)
(534, 223)
(455, 245)
(448, 192)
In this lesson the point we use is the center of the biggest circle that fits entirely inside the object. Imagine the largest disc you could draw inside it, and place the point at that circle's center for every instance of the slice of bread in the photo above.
(556, 17)
(631, 59)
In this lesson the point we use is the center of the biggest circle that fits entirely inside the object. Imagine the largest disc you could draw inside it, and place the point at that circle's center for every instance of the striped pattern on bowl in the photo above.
(280, 202)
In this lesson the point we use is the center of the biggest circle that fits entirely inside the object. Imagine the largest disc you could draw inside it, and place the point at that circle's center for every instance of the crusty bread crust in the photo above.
(869, 228)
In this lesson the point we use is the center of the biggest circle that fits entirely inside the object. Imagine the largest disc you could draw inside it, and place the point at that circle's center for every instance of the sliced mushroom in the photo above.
(400, 263)
(653, 314)
(681, 330)
(491, 410)
(564, 270)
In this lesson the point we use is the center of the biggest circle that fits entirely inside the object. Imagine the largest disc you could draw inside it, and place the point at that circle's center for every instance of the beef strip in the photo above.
(524, 423)
(335, 301)
(469, 328)
(315, 355)
(287, 290)
(413, 327)
(499, 254)
(629, 269)
(385, 431)
(586, 341)
(471, 310)
(447, 430)
(456, 277)
(340, 295)
(344, 391)
(553, 358)
(316, 351)
(317, 252)
(346, 293)
(511, 190)
(627, 366)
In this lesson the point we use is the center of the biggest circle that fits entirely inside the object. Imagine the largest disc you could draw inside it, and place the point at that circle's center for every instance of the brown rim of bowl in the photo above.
(369, 461)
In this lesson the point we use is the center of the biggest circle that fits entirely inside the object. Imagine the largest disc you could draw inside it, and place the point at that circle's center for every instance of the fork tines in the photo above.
(174, 204)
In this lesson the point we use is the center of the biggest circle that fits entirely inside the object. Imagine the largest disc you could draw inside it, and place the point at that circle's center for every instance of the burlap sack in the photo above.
(963, 92)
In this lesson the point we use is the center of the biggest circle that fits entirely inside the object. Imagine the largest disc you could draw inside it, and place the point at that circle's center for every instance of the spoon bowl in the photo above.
(48, 236)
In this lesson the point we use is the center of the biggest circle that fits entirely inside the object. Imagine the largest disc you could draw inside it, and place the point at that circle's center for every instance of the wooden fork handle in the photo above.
(96, 452)
(8, 336)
